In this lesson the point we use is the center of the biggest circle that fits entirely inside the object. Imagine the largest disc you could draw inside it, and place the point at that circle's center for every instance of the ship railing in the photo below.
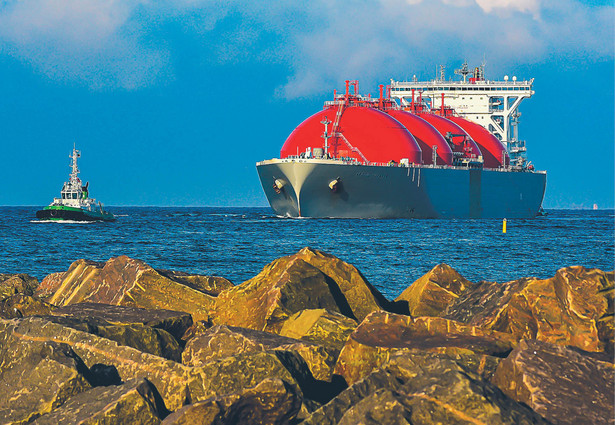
(364, 103)
(353, 161)
(454, 83)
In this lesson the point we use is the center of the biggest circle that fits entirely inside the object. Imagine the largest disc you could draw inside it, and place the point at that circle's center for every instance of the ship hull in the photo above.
(377, 191)
(62, 213)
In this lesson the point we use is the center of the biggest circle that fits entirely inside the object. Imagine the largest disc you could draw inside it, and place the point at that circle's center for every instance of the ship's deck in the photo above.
(353, 162)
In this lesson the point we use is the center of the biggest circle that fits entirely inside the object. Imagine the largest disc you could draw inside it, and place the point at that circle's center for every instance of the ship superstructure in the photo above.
(408, 155)
(74, 202)
(492, 104)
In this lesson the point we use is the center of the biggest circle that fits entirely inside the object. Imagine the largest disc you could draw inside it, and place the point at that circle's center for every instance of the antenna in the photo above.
(463, 71)
(442, 68)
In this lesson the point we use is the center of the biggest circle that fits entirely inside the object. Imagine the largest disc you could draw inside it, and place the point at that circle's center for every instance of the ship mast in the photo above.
(74, 175)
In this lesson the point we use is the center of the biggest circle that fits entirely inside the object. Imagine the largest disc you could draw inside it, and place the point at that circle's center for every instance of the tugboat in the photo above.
(75, 203)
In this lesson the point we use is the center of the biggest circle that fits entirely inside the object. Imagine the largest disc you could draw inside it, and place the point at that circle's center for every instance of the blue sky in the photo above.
(172, 103)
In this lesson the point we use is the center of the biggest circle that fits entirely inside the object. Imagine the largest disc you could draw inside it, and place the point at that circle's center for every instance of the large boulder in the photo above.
(433, 292)
(320, 326)
(175, 381)
(358, 294)
(135, 402)
(129, 282)
(223, 341)
(21, 305)
(383, 334)
(271, 402)
(37, 377)
(175, 323)
(572, 308)
(235, 373)
(307, 280)
(178, 384)
(283, 288)
(17, 283)
(145, 330)
(423, 389)
(562, 385)
(143, 338)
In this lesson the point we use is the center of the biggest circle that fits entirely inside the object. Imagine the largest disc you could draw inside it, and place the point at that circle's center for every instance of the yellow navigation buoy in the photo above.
(504, 226)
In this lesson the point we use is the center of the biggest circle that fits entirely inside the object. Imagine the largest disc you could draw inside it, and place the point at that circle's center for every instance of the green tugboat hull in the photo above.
(64, 213)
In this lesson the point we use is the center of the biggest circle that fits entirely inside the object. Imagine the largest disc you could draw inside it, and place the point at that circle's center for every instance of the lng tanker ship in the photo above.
(434, 149)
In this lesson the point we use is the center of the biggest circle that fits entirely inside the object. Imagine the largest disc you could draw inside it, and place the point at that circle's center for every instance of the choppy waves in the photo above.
(238, 242)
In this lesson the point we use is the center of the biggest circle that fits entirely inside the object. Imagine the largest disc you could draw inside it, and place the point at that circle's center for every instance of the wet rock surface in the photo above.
(307, 340)
(558, 383)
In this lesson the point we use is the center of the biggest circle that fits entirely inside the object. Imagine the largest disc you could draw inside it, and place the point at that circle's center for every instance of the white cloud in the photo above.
(128, 44)
(398, 38)
(526, 6)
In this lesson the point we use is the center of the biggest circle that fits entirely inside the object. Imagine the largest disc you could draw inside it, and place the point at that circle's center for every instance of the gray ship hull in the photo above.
(376, 191)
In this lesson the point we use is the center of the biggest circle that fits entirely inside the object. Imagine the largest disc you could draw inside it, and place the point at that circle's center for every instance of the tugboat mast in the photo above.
(74, 175)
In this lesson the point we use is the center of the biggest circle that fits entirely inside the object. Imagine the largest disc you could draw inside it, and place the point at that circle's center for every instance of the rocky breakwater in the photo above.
(308, 340)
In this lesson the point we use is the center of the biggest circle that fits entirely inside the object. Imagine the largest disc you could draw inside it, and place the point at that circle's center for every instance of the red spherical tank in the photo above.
(426, 135)
(462, 142)
(367, 132)
(492, 149)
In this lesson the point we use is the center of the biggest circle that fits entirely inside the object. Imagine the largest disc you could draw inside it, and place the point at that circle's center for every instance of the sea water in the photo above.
(237, 242)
